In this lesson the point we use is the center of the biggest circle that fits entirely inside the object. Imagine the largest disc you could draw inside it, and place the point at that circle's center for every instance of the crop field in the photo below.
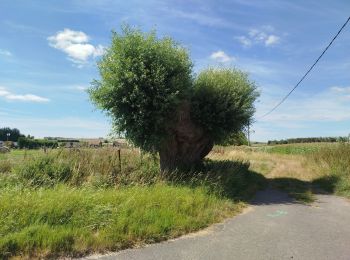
(75, 202)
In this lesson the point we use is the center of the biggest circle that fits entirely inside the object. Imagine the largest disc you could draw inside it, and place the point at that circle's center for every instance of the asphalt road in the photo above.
(275, 227)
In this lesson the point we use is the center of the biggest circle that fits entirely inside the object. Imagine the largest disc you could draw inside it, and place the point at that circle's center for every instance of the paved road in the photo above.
(275, 227)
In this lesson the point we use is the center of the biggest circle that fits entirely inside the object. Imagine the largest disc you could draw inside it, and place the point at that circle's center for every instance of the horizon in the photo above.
(48, 55)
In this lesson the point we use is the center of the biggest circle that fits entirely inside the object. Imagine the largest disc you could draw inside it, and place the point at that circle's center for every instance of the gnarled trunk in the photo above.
(186, 145)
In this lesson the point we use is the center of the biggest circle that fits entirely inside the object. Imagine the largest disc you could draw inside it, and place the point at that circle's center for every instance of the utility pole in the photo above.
(7, 136)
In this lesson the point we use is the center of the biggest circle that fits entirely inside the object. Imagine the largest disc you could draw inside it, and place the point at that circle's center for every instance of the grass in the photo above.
(69, 222)
(298, 169)
(75, 202)
(334, 163)
(296, 149)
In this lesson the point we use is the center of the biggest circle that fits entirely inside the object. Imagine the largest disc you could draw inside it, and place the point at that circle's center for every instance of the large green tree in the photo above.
(148, 88)
(10, 134)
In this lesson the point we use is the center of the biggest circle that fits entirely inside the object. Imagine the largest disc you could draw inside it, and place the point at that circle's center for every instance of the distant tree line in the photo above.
(10, 134)
(31, 143)
(309, 140)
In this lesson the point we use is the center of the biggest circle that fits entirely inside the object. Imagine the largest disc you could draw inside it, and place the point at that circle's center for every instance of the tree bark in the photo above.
(186, 145)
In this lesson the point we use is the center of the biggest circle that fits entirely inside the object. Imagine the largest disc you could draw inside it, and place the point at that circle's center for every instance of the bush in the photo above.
(223, 102)
(29, 143)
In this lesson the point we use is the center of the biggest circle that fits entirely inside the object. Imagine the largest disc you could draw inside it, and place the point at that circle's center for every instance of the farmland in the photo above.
(70, 202)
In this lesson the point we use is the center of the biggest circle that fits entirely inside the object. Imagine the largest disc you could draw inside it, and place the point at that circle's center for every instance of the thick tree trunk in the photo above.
(187, 143)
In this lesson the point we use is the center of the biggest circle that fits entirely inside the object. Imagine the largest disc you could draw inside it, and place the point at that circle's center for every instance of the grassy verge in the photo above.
(334, 164)
(71, 203)
(66, 221)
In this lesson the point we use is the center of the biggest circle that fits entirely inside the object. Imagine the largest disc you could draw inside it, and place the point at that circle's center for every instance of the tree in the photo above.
(13, 136)
(238, 138)
(147, 87)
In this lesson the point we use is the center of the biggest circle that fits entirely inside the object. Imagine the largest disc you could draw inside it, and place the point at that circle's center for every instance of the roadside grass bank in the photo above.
(76, 202)
(334, 163)
(299, 169)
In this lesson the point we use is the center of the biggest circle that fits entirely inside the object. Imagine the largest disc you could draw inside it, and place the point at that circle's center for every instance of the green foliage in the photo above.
(44, 171)
(238, 139)
(335, 160)
(14, 134)
(306, 148)
(73, 202)
(223, 102)
(86, 166)
(309, 140)
(29, 143)
(143, 78)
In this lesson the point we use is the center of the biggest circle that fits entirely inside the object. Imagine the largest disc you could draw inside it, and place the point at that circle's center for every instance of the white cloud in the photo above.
(272, 40)
(76, 45)
(26, 97)
(201, 18)
(245, 41)
(5, 53)
(221, 56)
(263, 35)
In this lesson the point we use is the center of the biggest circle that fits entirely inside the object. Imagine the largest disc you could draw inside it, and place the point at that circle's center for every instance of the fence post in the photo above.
(119, 161)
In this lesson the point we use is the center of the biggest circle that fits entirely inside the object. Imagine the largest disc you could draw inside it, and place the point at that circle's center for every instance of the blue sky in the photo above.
(49, 49)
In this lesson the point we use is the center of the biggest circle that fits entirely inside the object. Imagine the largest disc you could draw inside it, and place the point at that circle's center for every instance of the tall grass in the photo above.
(62, 221)
(86, 166)
(73, 202)
(334, 163)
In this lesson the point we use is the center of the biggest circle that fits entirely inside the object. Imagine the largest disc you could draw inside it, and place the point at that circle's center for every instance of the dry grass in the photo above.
(268, 164)
(297, 168)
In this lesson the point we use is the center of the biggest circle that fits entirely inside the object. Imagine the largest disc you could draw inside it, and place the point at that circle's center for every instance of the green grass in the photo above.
(75, 202)
(68, 221)
(334, 162)
(300, 149)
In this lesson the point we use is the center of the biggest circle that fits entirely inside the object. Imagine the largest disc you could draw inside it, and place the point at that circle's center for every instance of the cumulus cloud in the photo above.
(264, 35)
(76, 45)
(221, 56)
(26, 97)
(5, 53)
(245, 41)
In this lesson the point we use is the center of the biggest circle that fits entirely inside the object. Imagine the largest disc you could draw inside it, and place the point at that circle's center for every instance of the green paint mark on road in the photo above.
(278, 213)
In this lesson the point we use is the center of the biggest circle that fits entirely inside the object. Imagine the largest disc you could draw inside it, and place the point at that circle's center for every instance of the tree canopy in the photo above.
(143, 79)
(14, 134)
(148, 88)
(223, 102)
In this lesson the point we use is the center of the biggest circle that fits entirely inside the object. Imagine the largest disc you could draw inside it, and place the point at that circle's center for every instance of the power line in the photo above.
(313, 65)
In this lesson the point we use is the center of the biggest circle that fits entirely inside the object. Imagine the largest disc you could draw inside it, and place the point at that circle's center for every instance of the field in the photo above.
(75, 202)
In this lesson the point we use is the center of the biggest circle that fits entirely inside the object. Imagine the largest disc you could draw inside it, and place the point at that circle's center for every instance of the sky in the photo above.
(49, 50)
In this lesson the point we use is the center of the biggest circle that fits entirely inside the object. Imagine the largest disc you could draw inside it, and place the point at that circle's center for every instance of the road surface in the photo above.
(274, 227)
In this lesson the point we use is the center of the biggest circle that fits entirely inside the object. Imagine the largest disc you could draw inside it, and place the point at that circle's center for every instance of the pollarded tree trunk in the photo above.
(187, 143)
